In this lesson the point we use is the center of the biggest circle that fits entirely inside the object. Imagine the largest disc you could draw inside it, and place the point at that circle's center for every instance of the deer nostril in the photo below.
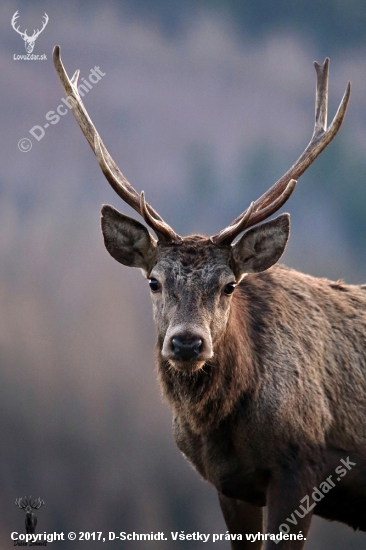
(186, 349)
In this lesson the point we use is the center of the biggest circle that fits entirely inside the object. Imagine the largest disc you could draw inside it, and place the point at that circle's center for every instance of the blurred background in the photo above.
(203, 104)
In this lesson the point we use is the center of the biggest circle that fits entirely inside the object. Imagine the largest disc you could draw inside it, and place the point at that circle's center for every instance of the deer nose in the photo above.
(186, 348)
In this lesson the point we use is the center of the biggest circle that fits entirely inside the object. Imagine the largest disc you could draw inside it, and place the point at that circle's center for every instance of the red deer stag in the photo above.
(264, 367)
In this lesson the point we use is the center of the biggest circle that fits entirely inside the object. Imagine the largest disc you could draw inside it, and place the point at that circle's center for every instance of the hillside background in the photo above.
(204, 104)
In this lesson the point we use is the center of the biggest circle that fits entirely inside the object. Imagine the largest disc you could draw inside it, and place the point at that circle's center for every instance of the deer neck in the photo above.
(205, 398)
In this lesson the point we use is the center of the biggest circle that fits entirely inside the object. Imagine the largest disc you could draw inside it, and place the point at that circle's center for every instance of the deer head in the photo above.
(29, 40)
(193, 279)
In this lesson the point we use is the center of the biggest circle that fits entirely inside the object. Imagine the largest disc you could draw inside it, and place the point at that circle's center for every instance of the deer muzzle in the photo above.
(187, 348)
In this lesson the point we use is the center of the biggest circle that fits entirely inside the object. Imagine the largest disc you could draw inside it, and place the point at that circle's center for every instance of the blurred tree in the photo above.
(332, 24)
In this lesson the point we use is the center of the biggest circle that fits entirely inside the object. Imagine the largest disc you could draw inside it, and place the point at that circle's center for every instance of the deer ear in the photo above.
(261, 247)
(126, 239)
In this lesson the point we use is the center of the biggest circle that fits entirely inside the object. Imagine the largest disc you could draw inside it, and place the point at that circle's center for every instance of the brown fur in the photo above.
(287, 386)
(267, 385)
(276, 397)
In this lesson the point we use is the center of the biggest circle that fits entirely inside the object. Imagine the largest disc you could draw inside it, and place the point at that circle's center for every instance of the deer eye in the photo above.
(154, 285)
(229, 288)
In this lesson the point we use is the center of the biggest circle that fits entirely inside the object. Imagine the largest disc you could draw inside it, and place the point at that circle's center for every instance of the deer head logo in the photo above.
(28, 40)
(30, 518)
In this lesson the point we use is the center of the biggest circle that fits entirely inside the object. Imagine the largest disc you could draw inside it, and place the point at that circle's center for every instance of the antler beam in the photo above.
(278, 194)
(109, 168)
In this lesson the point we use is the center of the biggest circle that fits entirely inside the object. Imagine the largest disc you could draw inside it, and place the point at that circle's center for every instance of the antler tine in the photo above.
(44, 23)
(250, 218)
(225, 237)
(38, 503)
(19, 502)
(279, 193)
(163, 231)
(111, 171)
(13, 21)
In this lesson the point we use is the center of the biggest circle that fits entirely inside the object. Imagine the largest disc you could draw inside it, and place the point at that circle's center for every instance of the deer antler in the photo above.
(19, 502)
(13, 21)
(109, 168)
(28, 502)
(38, 32)
(277, 195)
(38, 503)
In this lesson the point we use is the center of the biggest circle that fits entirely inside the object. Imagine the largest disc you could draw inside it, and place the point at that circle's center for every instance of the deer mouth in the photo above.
(187, 366)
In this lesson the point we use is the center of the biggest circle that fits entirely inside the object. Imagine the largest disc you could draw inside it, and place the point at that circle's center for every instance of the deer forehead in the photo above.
(197, 261)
